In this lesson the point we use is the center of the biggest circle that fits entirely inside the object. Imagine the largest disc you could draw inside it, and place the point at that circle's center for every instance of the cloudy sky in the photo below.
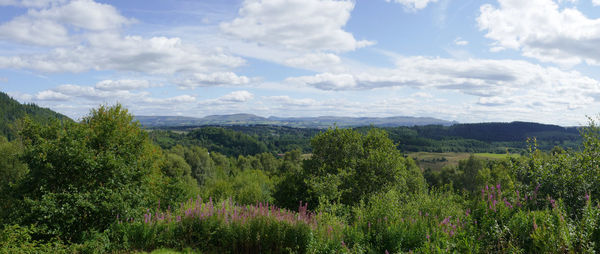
(462, 60)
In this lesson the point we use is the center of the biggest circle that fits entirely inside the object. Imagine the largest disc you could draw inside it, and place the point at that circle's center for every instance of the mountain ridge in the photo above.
(308, 122)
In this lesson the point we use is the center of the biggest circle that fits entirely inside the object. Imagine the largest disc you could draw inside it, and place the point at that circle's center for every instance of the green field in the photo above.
(436, 161)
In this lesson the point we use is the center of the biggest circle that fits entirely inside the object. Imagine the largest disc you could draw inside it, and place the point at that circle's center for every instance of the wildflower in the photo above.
(587, 197)
(535, 226)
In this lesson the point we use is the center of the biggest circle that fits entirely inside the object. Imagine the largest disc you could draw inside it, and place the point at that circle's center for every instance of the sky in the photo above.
(459, 60)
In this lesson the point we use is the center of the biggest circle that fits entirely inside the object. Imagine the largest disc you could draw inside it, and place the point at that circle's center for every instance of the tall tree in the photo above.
(346, 166)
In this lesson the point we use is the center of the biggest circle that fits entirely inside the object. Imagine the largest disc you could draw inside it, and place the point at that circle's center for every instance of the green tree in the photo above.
(291, 188)
(347, 166)
(201, 164)
(179, 183)
(12, 171)
(83, 175)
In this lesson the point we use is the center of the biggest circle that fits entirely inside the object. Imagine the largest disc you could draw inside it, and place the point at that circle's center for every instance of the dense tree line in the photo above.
(470, 138)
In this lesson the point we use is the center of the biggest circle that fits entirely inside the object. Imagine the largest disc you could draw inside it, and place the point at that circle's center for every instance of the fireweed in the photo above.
(228, 227)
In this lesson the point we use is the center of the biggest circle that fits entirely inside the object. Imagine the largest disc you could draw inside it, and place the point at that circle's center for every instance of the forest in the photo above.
(106, 185)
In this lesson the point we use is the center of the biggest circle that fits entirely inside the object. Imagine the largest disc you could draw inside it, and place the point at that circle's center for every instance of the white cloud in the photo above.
(213, 79)
(460, 41)
(50, 26)
(30, 3)
(94, 94)
(313, 61)
(85, 14)
(494, 101)
(236, 96)
(516, 81)
(329, 81)
(171, 100)
(123, 84)
(596, 2)
(85, 35)
(39, 32)
(109, 51)
(312, 25)
(413, 5)
(422, 95)
(49, 95)
(542, 30)
(288, 101)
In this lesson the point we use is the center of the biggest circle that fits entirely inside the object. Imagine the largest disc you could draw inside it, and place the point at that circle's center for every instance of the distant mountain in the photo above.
(306, 122)
(11, 111)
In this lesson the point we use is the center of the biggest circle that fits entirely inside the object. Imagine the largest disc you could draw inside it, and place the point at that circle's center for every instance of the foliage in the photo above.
(83, 188)
(11, 111)
(12, 171)
(494, 138)
(224, 228)
(347, 166)
(83, 175)
(569, 176)
(18, 239)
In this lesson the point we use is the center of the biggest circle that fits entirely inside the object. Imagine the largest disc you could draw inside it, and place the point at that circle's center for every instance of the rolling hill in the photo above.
(11, 111)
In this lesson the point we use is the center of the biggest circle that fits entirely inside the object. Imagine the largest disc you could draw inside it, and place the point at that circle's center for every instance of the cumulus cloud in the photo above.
(213, 79)
(50, 26)
(542, 30)
(313, 60)
(123, 84)
(296, 24)
(236, 96)
(84, 35)
(596, 2)
(94, 94)
(49, 95)
(160, 55)
(519, 81)
(413, 5)
(288, 101)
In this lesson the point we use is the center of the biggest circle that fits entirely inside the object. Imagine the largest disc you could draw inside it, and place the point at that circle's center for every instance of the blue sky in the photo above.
(461, 60)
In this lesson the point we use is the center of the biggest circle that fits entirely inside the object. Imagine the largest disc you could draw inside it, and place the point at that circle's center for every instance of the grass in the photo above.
(436, 161)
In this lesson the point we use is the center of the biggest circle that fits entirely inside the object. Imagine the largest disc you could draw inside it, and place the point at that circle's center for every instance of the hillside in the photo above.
(303, 122)
(11, 110)
(461, 138)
